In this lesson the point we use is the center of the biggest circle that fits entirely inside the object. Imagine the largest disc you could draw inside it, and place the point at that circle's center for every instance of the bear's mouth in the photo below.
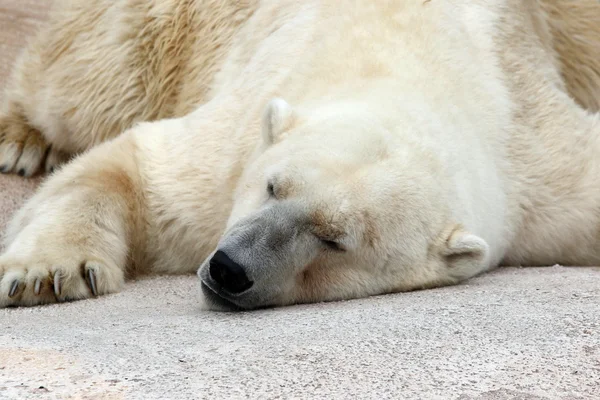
(217, 301)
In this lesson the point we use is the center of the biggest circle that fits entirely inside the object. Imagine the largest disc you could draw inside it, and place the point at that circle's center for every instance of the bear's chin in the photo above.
(210, 301)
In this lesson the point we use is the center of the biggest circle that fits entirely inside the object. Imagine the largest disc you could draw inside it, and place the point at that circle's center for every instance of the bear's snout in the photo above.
(256, 262)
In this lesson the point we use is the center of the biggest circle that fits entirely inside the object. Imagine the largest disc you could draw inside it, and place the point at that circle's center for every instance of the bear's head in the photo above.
(333, 206)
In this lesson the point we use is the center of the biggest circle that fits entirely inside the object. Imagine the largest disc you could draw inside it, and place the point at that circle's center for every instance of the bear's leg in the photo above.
(97, 68)
(554, 152)
(74, 238)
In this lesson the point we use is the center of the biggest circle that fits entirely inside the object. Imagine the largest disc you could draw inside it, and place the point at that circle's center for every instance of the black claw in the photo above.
(13, 288)
(57, 287)
(91, 280)
(37, 287)
(21, 172)
(3, 168)
(51, 170)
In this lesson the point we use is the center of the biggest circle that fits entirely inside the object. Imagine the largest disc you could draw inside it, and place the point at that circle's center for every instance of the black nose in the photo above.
(229, 274)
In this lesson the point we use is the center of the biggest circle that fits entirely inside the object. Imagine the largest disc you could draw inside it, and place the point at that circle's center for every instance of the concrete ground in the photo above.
(516, 333)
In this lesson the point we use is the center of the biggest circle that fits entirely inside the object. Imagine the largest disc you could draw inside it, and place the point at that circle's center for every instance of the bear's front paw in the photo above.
(51, 279)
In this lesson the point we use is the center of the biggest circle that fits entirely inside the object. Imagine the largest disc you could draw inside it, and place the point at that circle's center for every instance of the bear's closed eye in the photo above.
(332, 245)
(271, 190)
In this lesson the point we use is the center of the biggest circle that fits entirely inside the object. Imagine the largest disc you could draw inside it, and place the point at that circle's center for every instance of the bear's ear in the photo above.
(278, 118)
(465, 254)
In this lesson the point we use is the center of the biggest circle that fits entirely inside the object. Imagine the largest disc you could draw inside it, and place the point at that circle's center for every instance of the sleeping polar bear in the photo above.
(302, 150)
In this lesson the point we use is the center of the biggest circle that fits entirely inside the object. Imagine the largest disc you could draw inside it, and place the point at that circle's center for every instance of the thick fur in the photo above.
(142, 61)
(428, 141)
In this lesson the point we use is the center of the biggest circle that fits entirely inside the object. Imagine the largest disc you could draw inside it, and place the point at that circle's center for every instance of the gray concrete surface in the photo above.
(516, 333)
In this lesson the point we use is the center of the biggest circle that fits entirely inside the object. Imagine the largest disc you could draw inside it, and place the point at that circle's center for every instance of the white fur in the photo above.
(442, 127)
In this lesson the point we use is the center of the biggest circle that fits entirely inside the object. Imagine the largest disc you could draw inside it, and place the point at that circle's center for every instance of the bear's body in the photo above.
(425, 141)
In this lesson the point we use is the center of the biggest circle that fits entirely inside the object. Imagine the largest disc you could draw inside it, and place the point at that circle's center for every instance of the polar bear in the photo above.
(302, 151)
